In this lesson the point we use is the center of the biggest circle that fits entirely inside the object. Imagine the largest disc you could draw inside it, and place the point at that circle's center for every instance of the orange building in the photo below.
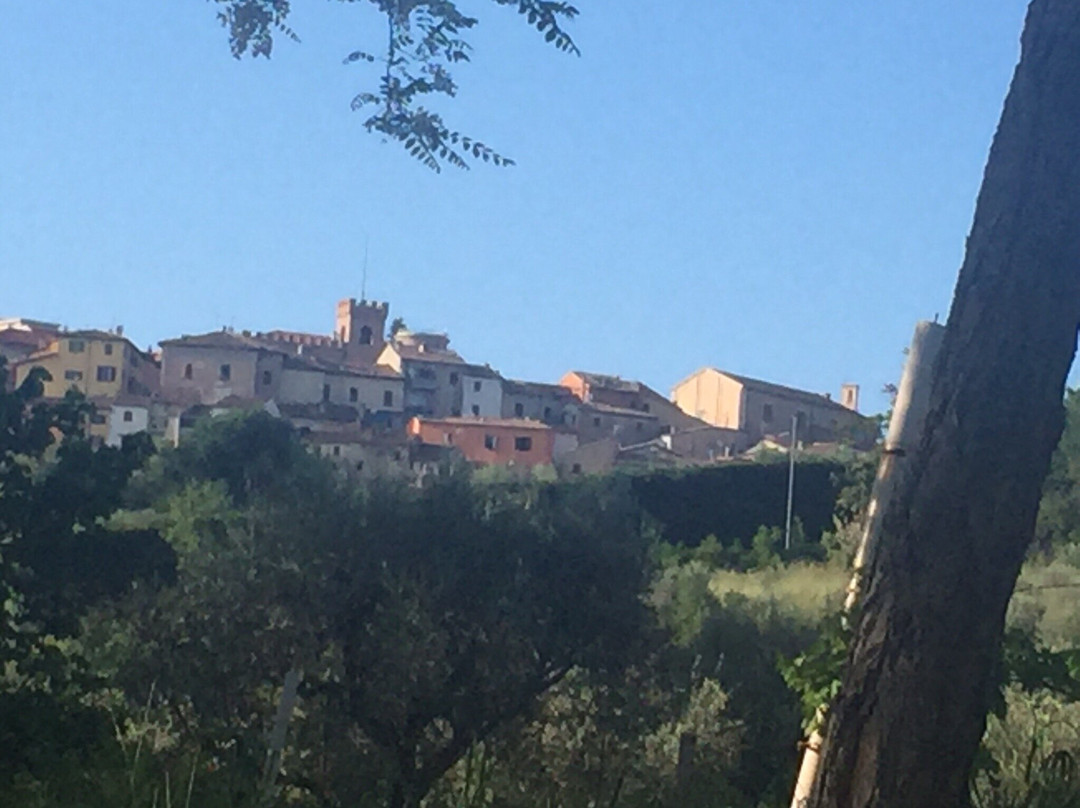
(490, 441)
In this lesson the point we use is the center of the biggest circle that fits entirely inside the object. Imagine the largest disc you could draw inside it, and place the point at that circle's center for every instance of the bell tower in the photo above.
(361, 327)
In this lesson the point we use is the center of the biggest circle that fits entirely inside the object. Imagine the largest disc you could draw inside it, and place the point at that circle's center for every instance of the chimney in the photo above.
(849, 396)
(119, 331)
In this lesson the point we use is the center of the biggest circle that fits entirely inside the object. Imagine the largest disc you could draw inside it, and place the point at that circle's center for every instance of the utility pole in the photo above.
(905, 431)
(790, 481)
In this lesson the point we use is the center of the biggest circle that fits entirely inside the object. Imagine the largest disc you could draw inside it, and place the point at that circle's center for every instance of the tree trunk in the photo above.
(908, 722)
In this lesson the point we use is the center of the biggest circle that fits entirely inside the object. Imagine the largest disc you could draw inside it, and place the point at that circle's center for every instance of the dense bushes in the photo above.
(469, 643)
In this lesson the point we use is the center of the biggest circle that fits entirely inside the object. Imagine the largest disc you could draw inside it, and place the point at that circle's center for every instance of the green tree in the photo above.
(422, 619)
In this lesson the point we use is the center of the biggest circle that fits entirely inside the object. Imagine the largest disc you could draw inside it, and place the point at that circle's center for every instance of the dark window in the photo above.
(354, 394)
(337, 451)
(225, 372)
(596, 421)
(453, 378)
(448, 438)
(360, 465)
(645, 407)
(97, 418)
(134, 359)
(131, 385)
(128, 416)
(490, 442)
(547, 413)
(522, 444)
(73, 375)
(326, 392)
(575, 469)
(640, 426)
(519, 410)
(76, 346)
(388, 398)
(188, 371)
(475, 409)
(106, 373)
(108, 348)
(476, 387)
(267, 377)
(365, 336)
(766, 413)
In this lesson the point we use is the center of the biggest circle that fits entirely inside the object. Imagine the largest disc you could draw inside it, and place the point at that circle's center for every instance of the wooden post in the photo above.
(276, 746)
(905, 432)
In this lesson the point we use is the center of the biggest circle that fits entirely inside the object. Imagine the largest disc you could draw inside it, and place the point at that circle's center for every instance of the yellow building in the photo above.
(99, 364)
(758, 408)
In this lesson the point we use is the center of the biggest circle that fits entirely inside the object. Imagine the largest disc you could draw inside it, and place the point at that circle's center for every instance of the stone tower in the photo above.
(849, 396)
(361, 327)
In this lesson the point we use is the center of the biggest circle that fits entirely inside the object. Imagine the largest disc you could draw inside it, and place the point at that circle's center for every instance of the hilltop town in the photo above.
(383, 400)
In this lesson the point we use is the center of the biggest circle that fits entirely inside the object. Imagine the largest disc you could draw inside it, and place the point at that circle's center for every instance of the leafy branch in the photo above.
(424, 41)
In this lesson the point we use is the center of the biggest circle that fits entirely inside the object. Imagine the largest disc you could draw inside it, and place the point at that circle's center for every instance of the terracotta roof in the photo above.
(223, 339)
(323, 411)
(608, 382)
(322, 365)
(480, 422)
(19, 336)
(607, 409)
(782, 391)
(517, 387)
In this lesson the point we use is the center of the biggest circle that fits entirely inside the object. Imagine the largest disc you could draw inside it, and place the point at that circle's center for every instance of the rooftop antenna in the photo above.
(363, 282)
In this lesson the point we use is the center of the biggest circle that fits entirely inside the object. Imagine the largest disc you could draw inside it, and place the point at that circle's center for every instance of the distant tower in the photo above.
(361, 326)
(849, 396)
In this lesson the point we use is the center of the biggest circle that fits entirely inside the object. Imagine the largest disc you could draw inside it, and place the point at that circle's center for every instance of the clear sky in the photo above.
(780, 188)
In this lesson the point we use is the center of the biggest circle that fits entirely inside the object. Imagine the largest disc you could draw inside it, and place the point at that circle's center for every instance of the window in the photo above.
(522, 444)
(76, 346)
(108, 348)
(490, 442)
(225, 372)
(365, 335)
(475, 409)
(326, 392)
(106, 373)
(476, 386)
(267, 377)
(354, 395)
(337, 451)
(360, 465)
(766, 413)
(131, 385)
(448, 438)
(188, 371)
(640, 426)
(97, 418)
(596, 421)
(519, 410)
(645, 407)
(73, 375)
(388, 398)
(134, 359)
(575, 469)
(547, 413)
(128, 416)
(453, 379)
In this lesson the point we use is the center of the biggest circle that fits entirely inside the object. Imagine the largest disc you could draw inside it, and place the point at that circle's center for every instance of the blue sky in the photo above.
(779, 188)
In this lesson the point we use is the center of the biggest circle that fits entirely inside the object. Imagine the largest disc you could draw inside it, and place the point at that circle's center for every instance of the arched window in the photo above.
(188, 371)
(365, 335)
